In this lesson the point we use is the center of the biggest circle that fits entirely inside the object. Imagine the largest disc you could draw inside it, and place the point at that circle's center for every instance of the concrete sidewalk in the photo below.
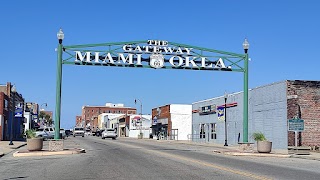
(234, 150)
(5, 148)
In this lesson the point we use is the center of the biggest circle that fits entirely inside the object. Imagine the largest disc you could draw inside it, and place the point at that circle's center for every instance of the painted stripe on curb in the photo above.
(47, 153)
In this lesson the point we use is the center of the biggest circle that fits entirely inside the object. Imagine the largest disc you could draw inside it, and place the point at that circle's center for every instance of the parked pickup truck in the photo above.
(45, 132)
(48, 133)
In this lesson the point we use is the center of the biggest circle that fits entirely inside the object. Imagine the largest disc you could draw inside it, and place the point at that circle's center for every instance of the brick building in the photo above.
(7, 110)
(270, 108)
(4, 114)
(172, 121)
(78, 121)
(304, 102)
(90, 113)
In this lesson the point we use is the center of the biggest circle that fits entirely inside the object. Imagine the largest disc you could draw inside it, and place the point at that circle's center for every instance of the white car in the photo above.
(45, 132)
(109, 133)
(63, 133)
(78, 131)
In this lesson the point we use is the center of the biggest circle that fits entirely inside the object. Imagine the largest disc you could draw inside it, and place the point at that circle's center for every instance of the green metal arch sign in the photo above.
(157, 54)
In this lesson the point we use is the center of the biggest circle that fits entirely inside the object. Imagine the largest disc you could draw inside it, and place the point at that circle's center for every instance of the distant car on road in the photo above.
(109, 133)
(68, 132)
(87, 132)
(62, 133)
(78, 131)
(99, 132)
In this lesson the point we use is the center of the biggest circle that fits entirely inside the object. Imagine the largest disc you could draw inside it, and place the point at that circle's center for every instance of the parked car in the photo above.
(62, 133)
(88, 132)
(109, 133)
(99, 132)
(68, 132)
(45, 132)
(78, 131)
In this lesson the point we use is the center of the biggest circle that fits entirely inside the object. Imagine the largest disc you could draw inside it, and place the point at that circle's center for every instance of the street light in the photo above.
(13, 91)
(41, 109)
(245, 45)
(60, 36)
(225, 118)
(135, 102)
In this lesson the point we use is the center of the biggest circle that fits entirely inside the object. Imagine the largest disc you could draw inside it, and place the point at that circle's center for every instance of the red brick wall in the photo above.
(308, 98)
(1, 112)
(4, 113)
(78, 120)
(90, 112)
(165, 113)
(1, 102)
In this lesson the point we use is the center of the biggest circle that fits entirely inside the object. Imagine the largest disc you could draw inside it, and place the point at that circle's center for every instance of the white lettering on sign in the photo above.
(129, 58)
(158, 51)
(172, 59)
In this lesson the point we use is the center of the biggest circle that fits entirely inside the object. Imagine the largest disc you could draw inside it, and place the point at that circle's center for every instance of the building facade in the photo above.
(79, 121)
(11, 112)
(89, 112)
(304, 102)
(172, 121)
(138, 124)
(270, 108)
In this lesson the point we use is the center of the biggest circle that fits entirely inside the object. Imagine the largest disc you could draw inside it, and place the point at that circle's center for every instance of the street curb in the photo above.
(305, 157)
(260, 155)
(253, 154)
(48, 153)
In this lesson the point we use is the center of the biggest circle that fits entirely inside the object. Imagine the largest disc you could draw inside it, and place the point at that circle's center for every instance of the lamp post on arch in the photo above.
(60, 36)
(245, 46)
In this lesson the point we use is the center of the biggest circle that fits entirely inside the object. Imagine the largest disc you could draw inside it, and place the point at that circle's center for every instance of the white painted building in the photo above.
(136, 126)
(172, 121)
(104, 119)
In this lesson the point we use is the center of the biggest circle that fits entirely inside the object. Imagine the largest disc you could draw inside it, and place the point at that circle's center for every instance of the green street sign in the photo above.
(295, 125)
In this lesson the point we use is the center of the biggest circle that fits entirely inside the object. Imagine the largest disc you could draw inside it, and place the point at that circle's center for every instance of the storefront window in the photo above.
(6, 105)
(213, 130)
(202, 131)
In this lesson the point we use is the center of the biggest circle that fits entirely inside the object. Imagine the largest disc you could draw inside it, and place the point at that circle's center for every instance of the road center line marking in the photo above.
(174, 156)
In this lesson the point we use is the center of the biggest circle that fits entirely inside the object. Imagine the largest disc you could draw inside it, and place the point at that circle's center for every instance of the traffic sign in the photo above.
(296, 125)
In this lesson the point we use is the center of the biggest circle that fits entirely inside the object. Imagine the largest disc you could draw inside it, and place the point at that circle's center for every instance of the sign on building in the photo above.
(205, 110)
(295, 125)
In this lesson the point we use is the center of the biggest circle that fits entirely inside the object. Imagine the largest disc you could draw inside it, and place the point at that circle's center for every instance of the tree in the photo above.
(42, 115)
(47, 117)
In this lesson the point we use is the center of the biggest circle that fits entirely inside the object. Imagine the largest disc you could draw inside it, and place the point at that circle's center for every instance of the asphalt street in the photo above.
(127, 158)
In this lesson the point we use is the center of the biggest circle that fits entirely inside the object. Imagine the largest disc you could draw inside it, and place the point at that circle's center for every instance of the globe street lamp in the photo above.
(225, 119)
(13, 91)
(60, 36)
(245, 45)
(135, 102)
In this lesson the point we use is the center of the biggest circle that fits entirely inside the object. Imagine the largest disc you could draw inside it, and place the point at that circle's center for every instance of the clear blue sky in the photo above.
(283, 35)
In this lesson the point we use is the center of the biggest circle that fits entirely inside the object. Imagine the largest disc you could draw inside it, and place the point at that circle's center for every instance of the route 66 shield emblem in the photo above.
(156, 61)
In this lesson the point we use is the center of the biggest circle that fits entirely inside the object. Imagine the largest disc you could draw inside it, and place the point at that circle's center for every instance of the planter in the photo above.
(35, 144)
(264, 146)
